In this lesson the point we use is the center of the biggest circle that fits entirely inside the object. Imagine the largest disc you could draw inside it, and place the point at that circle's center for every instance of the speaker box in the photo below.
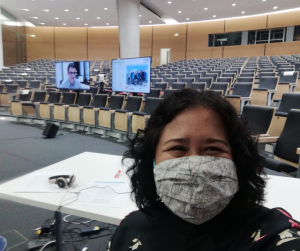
(50, 130)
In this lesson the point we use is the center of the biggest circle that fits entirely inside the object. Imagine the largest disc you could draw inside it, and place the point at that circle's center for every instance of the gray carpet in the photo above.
(23, 149)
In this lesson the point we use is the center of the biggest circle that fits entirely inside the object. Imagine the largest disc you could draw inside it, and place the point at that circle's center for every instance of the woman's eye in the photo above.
(177, 148)
(213, 149)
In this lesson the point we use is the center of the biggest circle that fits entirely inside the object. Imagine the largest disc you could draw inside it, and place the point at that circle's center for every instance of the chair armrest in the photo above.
(51, 104)
(80, 107)
(36, 103)
(279, 166)
(122, 111)
(260, 89)
(282, 114)
(96, 109)
(65, 105)
(298, 151)
(264, 135)
(267, 139)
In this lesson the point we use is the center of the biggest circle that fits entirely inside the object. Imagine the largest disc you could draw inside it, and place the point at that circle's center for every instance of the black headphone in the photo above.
(62, 180)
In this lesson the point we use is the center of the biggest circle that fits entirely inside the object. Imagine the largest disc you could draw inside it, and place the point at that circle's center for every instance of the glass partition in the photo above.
(14, 39)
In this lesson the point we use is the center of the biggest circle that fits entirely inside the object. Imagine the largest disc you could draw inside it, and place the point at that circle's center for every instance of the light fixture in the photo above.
(66, 10)
(105, 9)
(275, 7)
(64, 24)
(150, 22)
(169, 2)
(77, 18)
(46, 10)
(243, 12)
(264, 0)
(56, 18)
(187, 18)
(42, 23)
(107, 23)
(140, 15)
(98, 17)
(214, 16)
(86, 9)
(179, 11)
(233, 4)
(85, 24)
(205, 8)
(176, 34)
(25, 9)
(35, 17)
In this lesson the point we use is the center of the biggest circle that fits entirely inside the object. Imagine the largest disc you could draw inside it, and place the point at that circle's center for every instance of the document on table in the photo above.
(103, 193)
(38, 182)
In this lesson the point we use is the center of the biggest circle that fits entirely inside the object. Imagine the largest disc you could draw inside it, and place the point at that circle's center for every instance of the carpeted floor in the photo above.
(23, 149)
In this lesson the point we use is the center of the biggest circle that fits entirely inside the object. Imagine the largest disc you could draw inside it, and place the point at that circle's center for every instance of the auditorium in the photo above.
(149, 125)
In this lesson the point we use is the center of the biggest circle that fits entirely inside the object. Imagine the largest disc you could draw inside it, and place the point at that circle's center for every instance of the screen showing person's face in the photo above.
(72, 74)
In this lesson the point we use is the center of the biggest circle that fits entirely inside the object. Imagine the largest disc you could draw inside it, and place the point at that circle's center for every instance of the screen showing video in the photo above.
(73, 75)
(131, 75)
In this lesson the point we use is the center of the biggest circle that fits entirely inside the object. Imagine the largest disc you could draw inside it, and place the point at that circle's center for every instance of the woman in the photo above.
(196, 179)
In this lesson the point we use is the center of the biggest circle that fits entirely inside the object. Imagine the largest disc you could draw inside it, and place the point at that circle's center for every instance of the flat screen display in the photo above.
(131, 75)
(73, 75)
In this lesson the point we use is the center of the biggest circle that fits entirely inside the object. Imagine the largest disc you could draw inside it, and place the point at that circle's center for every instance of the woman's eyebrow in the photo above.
(214, 140)
(177, 140)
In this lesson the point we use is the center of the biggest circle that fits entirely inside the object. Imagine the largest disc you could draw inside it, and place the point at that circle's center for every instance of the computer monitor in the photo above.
(73, 75)
(131, 75)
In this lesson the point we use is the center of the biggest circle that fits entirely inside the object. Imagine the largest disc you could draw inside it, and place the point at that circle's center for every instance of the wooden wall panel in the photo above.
(163, 37)
(217, 52)
(245, 24)
(197, 38)
(244, 50)
(146, 41)
(283, 48)
(284, 19)
(103, 43)
(42, 45)
(71, 43)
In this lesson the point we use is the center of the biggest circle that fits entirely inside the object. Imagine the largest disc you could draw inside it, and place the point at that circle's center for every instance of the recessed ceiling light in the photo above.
(105, 9)
(179, 11)
(35, 17)
(140, 15)
(264, 0)
(150, 22)
(233, 4)
(56, 18)
(214, 16)
(205, 8)
(46, 10)
(243, 12)
(42, 23)
(187, 18)
(176, 34)
(107, 23)
(77, 18)
(25, 9)
(64, 24)
(85, 24)
(66, 10)
(169, 2)
(98, 17)
(86, 9)
(275, 7)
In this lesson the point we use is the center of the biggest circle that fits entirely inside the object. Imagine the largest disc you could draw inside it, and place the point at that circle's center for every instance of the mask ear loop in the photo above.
(153, 163)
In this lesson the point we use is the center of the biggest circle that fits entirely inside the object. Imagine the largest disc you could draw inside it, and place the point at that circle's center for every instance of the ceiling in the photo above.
(156, 11)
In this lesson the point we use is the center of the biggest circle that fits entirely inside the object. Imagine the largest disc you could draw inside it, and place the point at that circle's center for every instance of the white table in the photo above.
(86, 166)
(280, 191)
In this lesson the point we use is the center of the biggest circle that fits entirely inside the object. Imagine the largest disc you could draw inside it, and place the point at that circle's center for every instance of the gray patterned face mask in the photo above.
(196, 188)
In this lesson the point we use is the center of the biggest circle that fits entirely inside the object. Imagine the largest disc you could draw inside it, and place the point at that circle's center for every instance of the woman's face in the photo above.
(194, 132)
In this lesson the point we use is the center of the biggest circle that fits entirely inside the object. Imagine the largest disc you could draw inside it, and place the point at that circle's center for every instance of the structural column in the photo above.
(129, 28)
(1, 45)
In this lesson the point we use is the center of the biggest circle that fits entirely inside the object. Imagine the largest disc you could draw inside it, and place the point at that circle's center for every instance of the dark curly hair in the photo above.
(142, 148)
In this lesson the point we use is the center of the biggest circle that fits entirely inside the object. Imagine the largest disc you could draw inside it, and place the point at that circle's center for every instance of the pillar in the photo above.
(129, 28)
(245, 37)
(290, 33)
(1, 45)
